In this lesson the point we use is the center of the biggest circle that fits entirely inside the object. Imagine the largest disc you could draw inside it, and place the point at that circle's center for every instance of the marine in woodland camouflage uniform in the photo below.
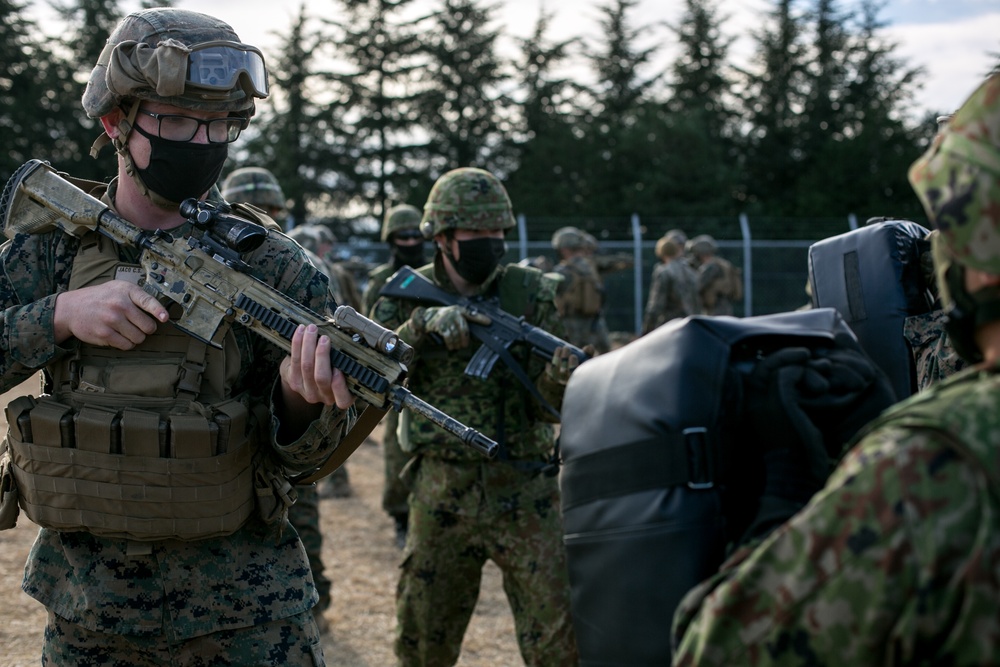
(401, 231)
(673, 290)
(258, 186)
(580, 295)
(464, 509)
(244, 596)
(894, 561)
(720, 284)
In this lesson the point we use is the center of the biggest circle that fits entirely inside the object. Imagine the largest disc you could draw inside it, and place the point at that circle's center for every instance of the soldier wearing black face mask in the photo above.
(164, 521)
(465, 510)
(401, 231)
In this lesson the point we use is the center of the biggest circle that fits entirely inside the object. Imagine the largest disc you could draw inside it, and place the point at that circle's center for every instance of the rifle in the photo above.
(204, 274)
(503, 330)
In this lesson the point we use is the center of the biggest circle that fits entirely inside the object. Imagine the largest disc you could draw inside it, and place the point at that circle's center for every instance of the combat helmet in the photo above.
(177, 57)
(466, 198)
(569, 238)
(958, 182)
(400, 218)
(703, 244)
(254, 185)
(667, 247)
(312, 237)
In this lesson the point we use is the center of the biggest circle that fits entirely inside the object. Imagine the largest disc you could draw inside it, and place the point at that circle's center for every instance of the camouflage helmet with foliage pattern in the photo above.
(466, 198)
(703, 244)
(312, 237)
(400, 218)
(569, 238)
(958, 180)
(253, 185)
(178, 57)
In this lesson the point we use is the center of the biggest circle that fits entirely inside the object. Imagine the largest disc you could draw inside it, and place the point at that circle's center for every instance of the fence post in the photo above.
(747, 266)
(522, 236)
(637, 271)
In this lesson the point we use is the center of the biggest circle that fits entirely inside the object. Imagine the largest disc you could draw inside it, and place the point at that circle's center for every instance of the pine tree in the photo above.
(379, 48)
(700, 174)
(298, 138)
(91, 21)
(620, 154)
(774, 97)
(863, 167)
(700, 83)
(462, 106)
(547, 178)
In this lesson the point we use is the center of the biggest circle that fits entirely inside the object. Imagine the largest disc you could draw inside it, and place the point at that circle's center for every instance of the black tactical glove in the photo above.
(843, 390)
(779, 423)
(804, 406)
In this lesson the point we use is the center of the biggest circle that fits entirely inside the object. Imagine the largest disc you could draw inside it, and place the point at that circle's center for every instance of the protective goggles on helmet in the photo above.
(219, 65)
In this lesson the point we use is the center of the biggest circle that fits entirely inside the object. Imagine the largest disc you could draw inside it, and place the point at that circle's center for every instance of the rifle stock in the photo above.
(503, 330)
(213, 288)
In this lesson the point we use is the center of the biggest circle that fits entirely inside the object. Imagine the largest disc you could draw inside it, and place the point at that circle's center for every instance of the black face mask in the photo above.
(478, 258)
(408, 255)
(181, 169)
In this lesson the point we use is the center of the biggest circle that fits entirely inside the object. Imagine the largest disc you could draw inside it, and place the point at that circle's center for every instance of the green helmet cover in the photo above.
(466, 198)
(253, 185)
(400, 218)
(178, 57)
(958, 180)
(568, 238)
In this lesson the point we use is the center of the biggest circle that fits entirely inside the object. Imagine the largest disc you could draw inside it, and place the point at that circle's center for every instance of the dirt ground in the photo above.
(360, 557)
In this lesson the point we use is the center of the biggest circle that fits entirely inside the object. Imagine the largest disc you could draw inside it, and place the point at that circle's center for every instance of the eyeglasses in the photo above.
(183, 128)
(408, 235)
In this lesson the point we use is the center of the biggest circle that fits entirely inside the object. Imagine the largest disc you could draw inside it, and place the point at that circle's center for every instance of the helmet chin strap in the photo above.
(121, 148)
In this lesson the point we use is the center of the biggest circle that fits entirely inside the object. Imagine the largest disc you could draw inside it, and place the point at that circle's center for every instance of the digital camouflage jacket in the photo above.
(894, 562)
(182, 589)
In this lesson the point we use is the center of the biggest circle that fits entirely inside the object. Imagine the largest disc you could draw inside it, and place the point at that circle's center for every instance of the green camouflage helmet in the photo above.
(958, 180)
(177, 57)
(466, 198)
(703, 244)
(399, 219)
(253, 185)
(312, 237)
(569, 238)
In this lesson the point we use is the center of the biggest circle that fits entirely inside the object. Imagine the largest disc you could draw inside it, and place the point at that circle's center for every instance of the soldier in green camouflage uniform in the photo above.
(464, 509)
(258, 186)
(720, 284)
(673, 290)
(401, 231)
(894, 561)
(242, 595)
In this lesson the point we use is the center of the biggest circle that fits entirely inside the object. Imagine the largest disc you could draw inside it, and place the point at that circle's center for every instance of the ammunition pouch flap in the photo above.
(130, 473)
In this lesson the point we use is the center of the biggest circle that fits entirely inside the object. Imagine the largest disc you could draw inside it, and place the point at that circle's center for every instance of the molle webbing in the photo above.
(141, 445)
(69, 478)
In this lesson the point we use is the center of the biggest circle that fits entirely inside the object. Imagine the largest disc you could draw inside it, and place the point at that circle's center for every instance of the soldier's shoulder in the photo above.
(381, 272)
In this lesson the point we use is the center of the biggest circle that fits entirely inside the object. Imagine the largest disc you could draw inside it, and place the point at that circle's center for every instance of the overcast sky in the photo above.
(950, 39)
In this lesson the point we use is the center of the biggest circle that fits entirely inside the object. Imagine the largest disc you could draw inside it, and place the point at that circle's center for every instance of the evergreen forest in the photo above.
(372, 101)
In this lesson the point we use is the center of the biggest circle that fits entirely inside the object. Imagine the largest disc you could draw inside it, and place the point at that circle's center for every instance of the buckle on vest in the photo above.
(700, 472)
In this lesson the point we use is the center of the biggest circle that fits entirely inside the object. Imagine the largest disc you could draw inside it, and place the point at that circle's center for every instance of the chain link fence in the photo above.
(772, 254)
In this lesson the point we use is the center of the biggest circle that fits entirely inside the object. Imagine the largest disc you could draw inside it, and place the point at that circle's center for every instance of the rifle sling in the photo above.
(483, 334)
(369, 418)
